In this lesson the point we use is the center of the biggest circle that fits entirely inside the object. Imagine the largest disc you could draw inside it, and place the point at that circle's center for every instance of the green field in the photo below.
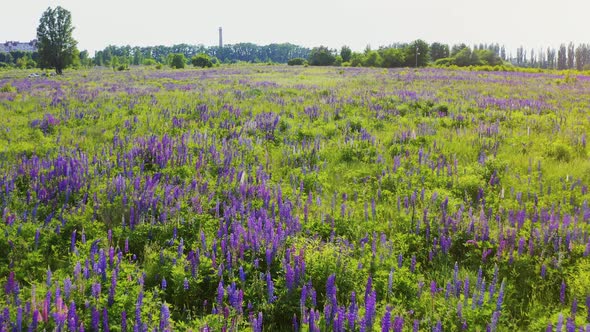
(268, 197)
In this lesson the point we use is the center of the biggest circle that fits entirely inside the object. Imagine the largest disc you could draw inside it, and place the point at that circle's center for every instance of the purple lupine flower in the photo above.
(72, 317)
(386, 320)
(73, 241)
(124, 321)
(369, 287)
(242, 274)
(95, 319)
(416, 326)
(164, 283)
(398, 324)
(501, 296)
(562, 292)
(353, 309)
(48, 280)
(559, 325)
(570, 325)
(438, 327)
(164, 317)
(220, 293)
(370, 310)
(413, 264)
(105, 320)
(185, 284)
(574, 307)
(19, 319)
(270, 288)
(494, 323)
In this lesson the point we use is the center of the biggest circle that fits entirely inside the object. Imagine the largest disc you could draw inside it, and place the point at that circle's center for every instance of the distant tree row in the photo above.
(419, 54)
(246, 52)
(19, 59)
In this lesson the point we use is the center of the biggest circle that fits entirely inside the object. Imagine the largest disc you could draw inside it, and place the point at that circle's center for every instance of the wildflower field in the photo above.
(275, 198)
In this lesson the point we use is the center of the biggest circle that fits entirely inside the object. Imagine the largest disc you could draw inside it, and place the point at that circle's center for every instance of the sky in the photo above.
(98, 23)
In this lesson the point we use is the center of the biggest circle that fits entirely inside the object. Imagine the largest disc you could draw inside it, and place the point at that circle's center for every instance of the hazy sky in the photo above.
(532, 23)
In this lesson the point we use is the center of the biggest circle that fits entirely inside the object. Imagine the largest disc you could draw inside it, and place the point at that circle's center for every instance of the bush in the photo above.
(321, 56)
(178, 61)
(149, 62)
(560, 152)
(296, 62)
(8, 88)
(202, 60)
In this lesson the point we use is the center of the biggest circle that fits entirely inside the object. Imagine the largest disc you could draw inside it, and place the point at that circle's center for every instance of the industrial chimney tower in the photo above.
(220, 38)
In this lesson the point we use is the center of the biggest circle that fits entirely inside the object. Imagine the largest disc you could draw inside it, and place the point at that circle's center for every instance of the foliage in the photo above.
(277, 198)
(296, 62)
(201, 60)
(321, 56)
(56, 45)
(177, 61)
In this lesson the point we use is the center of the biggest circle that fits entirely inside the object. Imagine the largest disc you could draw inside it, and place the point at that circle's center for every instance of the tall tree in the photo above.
(56, 45)
(570, 55)
(345, 53)
(561, 57)
(438, 51)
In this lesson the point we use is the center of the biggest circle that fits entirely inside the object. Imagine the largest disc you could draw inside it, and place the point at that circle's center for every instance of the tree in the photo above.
(372, 59)
(201, 60)
(321, 56)
(438, 51)
(561, 57)
(570, 55)
(345, 53)
(178, 61)
(417, 53)
(55, 42)
(392, 57)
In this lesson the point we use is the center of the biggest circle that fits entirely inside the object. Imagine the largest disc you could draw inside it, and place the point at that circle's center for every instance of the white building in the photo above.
(10, 46)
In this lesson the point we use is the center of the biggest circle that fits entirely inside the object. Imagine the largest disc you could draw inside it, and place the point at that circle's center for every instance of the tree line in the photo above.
(58, 50)
(241, 52)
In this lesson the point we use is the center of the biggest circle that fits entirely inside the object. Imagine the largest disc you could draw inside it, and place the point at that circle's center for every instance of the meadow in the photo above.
(275, 198)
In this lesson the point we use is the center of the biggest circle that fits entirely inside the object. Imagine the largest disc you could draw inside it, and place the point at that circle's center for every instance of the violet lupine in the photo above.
(370, 303)
(559, 325)
(124, 321)
(386, 320)
(398, 324)
(331, 306)
(562, 292)
(270, 288)
(500, 296)
(257, 323)
(72, 317)
(105, 320)
(220, 293)
(437, 327)
(164, 317)
(353, 312)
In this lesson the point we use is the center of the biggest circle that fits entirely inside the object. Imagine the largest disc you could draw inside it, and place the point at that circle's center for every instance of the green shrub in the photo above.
(202, 60)
(296, 62)
(178, 61)
(8, 88)
(560, 152)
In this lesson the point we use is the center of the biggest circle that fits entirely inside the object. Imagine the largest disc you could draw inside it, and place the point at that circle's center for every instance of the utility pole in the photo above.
(417, 53)
(220, 37)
